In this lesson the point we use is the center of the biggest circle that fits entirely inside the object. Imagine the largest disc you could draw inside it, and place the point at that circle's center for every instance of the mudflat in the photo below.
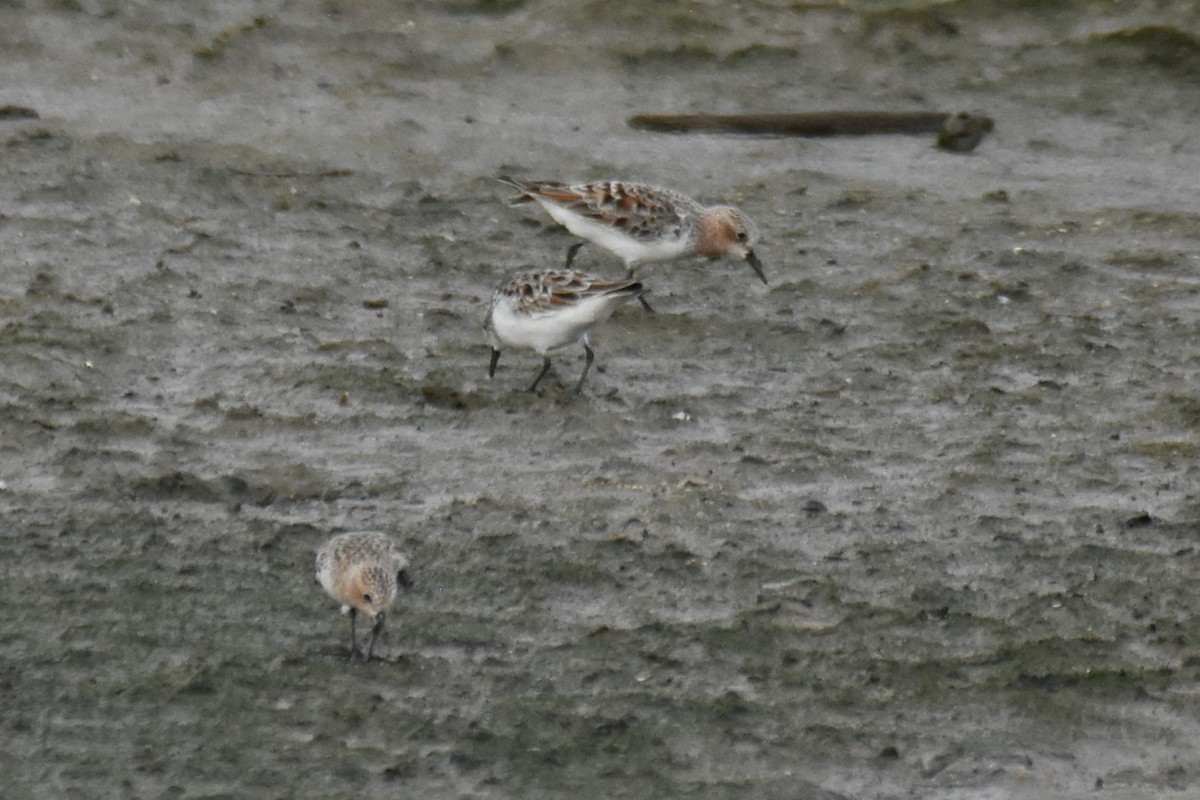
(919, 518)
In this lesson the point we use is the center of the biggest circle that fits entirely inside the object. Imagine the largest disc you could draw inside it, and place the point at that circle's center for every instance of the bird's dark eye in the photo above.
(366, 598)
(741, 236)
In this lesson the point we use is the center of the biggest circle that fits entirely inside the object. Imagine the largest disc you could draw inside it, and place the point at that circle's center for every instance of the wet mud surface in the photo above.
(918, 519)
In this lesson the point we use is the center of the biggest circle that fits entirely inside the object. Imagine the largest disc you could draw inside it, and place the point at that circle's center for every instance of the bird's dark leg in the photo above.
(353, 639)
(542, 374)
(492, 363)
(571, 251)
(375, 632)
(629, 273)
(586, 366)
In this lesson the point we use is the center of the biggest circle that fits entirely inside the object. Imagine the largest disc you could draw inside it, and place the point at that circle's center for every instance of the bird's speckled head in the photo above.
(372, 589)
(726, 231)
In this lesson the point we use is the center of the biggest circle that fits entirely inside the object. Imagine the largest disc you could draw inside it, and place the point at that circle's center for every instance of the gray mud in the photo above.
(919, 519)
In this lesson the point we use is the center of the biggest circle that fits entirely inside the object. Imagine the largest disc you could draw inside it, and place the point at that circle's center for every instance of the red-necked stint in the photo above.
(546, 311)
(363, 572)
(641, 223)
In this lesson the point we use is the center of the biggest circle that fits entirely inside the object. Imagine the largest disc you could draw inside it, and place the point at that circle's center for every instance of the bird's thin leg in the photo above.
(629, 273)
(542, 374)
(586, 366)
(492, 363)
(375, 632)
(571, 251)
(353, 639)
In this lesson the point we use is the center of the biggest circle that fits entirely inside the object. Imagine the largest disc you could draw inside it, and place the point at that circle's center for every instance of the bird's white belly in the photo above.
(562, 326)
(630, 250)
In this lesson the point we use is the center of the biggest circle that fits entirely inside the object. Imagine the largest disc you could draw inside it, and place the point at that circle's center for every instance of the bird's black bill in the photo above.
(376, 630)
(756, 265)
(403, 579)
(492, 363)
(354, 651)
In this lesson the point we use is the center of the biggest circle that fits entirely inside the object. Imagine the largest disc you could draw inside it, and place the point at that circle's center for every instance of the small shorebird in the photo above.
(546, 311)
(641, 223)
(363, 572)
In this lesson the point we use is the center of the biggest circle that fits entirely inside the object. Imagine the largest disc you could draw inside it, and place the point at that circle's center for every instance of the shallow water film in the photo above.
(918, 519)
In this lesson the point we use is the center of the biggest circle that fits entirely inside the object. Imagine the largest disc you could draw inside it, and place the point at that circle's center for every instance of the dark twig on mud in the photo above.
(960, 132)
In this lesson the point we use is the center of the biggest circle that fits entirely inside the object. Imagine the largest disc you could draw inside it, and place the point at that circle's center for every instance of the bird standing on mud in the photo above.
(642, 223)
(546, 311)
(363, 572)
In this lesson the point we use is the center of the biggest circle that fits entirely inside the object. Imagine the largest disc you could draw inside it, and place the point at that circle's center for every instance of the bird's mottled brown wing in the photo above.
(643, 212)
(540, 292)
